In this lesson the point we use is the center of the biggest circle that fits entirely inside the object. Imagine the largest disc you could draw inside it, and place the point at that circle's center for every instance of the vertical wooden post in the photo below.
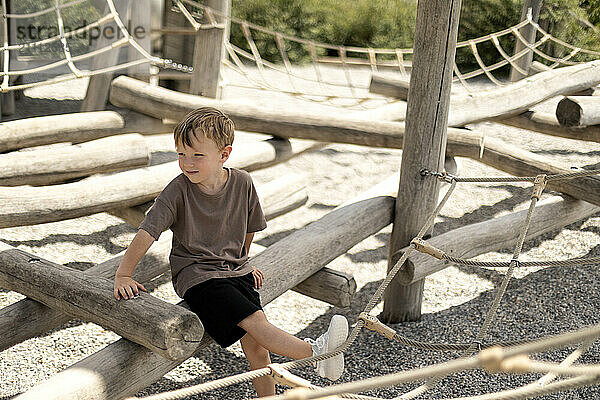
(99, 85)
(528, 32)
(424, 142)
(209, 51)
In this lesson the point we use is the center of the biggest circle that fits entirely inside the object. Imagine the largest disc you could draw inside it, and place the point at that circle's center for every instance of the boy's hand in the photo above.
(258, 277)
(127, 288)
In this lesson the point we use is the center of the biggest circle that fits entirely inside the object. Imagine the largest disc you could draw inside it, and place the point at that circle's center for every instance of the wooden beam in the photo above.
(460, 142)
(548, 124)
(24, 205)
(209, 50)
(510, 100)
(424, 146)
(169, 330)
(45, 166)
(578, 111)
(96, 94)
(531, 9)
(494, 234)
(28, 318)
(75, 128)
(390, 86)
(285, 264)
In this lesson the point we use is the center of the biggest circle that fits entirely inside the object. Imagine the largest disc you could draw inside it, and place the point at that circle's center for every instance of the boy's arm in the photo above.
(125, 286)
(256, 273)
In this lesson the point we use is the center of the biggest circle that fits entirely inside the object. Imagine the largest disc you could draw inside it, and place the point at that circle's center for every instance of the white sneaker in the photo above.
(331, 368)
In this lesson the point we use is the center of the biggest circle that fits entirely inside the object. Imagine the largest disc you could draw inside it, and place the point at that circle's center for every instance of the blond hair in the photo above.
(208, 121)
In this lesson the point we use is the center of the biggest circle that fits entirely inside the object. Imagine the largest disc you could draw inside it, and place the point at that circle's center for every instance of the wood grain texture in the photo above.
(164, 328)
(45, 166)
(548, 124)
(386, 85)
(209, 49)
(578, 111)
(494, 234)
(424, 143)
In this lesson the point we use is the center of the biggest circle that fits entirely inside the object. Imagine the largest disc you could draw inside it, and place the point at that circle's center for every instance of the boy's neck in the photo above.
(214, 186)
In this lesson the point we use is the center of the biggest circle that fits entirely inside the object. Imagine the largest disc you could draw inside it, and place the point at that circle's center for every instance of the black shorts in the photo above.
(221, 304)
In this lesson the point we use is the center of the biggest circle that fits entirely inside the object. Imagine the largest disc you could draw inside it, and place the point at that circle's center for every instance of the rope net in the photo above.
(298, 67)
(512, 357)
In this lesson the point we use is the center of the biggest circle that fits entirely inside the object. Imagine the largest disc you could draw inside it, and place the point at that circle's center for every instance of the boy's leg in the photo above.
(274, 339)
(258, 357)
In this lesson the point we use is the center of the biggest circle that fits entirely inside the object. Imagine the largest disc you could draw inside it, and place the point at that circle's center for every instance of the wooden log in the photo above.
(169, 330)
(424, 145)
(209, 50)
(75, 128)
(516, 98)
(99, 85)
(461, 143)
(548, 124)
(285, 264)
(494, 234)
(578, 111)
(45, 166)
(389, 86)
(28, 318)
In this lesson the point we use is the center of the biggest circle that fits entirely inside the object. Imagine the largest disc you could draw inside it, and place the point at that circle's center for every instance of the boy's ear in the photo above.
(226, 152)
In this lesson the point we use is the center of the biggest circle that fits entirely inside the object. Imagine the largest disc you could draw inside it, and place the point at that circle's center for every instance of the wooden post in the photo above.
(528, 32)
(424, 142)
(209, 51)
(99, 85)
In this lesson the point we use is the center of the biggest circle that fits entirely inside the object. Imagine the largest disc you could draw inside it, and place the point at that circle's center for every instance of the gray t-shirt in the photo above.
(208, 229)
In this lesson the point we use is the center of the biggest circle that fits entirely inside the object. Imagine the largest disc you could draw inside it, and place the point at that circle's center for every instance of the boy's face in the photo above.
(203, 161)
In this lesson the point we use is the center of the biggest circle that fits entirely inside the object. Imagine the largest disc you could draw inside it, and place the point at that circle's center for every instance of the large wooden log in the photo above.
(76, 128)
(424, 145)
(123, 368)
(164, 328)
(548, 124)
(494, 234)
(28, 318)
(578, 111)
(516, 98)
(45, 166)
(160, 102)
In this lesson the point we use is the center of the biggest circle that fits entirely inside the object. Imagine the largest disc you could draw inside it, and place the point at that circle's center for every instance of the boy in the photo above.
(214, 212)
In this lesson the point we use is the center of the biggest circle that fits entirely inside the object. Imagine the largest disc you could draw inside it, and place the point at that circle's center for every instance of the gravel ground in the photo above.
(538, 302)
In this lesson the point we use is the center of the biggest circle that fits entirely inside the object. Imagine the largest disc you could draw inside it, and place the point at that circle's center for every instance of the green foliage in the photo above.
(44, 26)
(390, 24)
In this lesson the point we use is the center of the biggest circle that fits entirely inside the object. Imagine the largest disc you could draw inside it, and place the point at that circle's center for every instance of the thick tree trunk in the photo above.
(424, 143)
(494, 234)
(45, 166)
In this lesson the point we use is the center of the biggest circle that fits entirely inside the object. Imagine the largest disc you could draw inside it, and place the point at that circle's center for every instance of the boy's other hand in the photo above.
(258, 277)
(127, 288)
